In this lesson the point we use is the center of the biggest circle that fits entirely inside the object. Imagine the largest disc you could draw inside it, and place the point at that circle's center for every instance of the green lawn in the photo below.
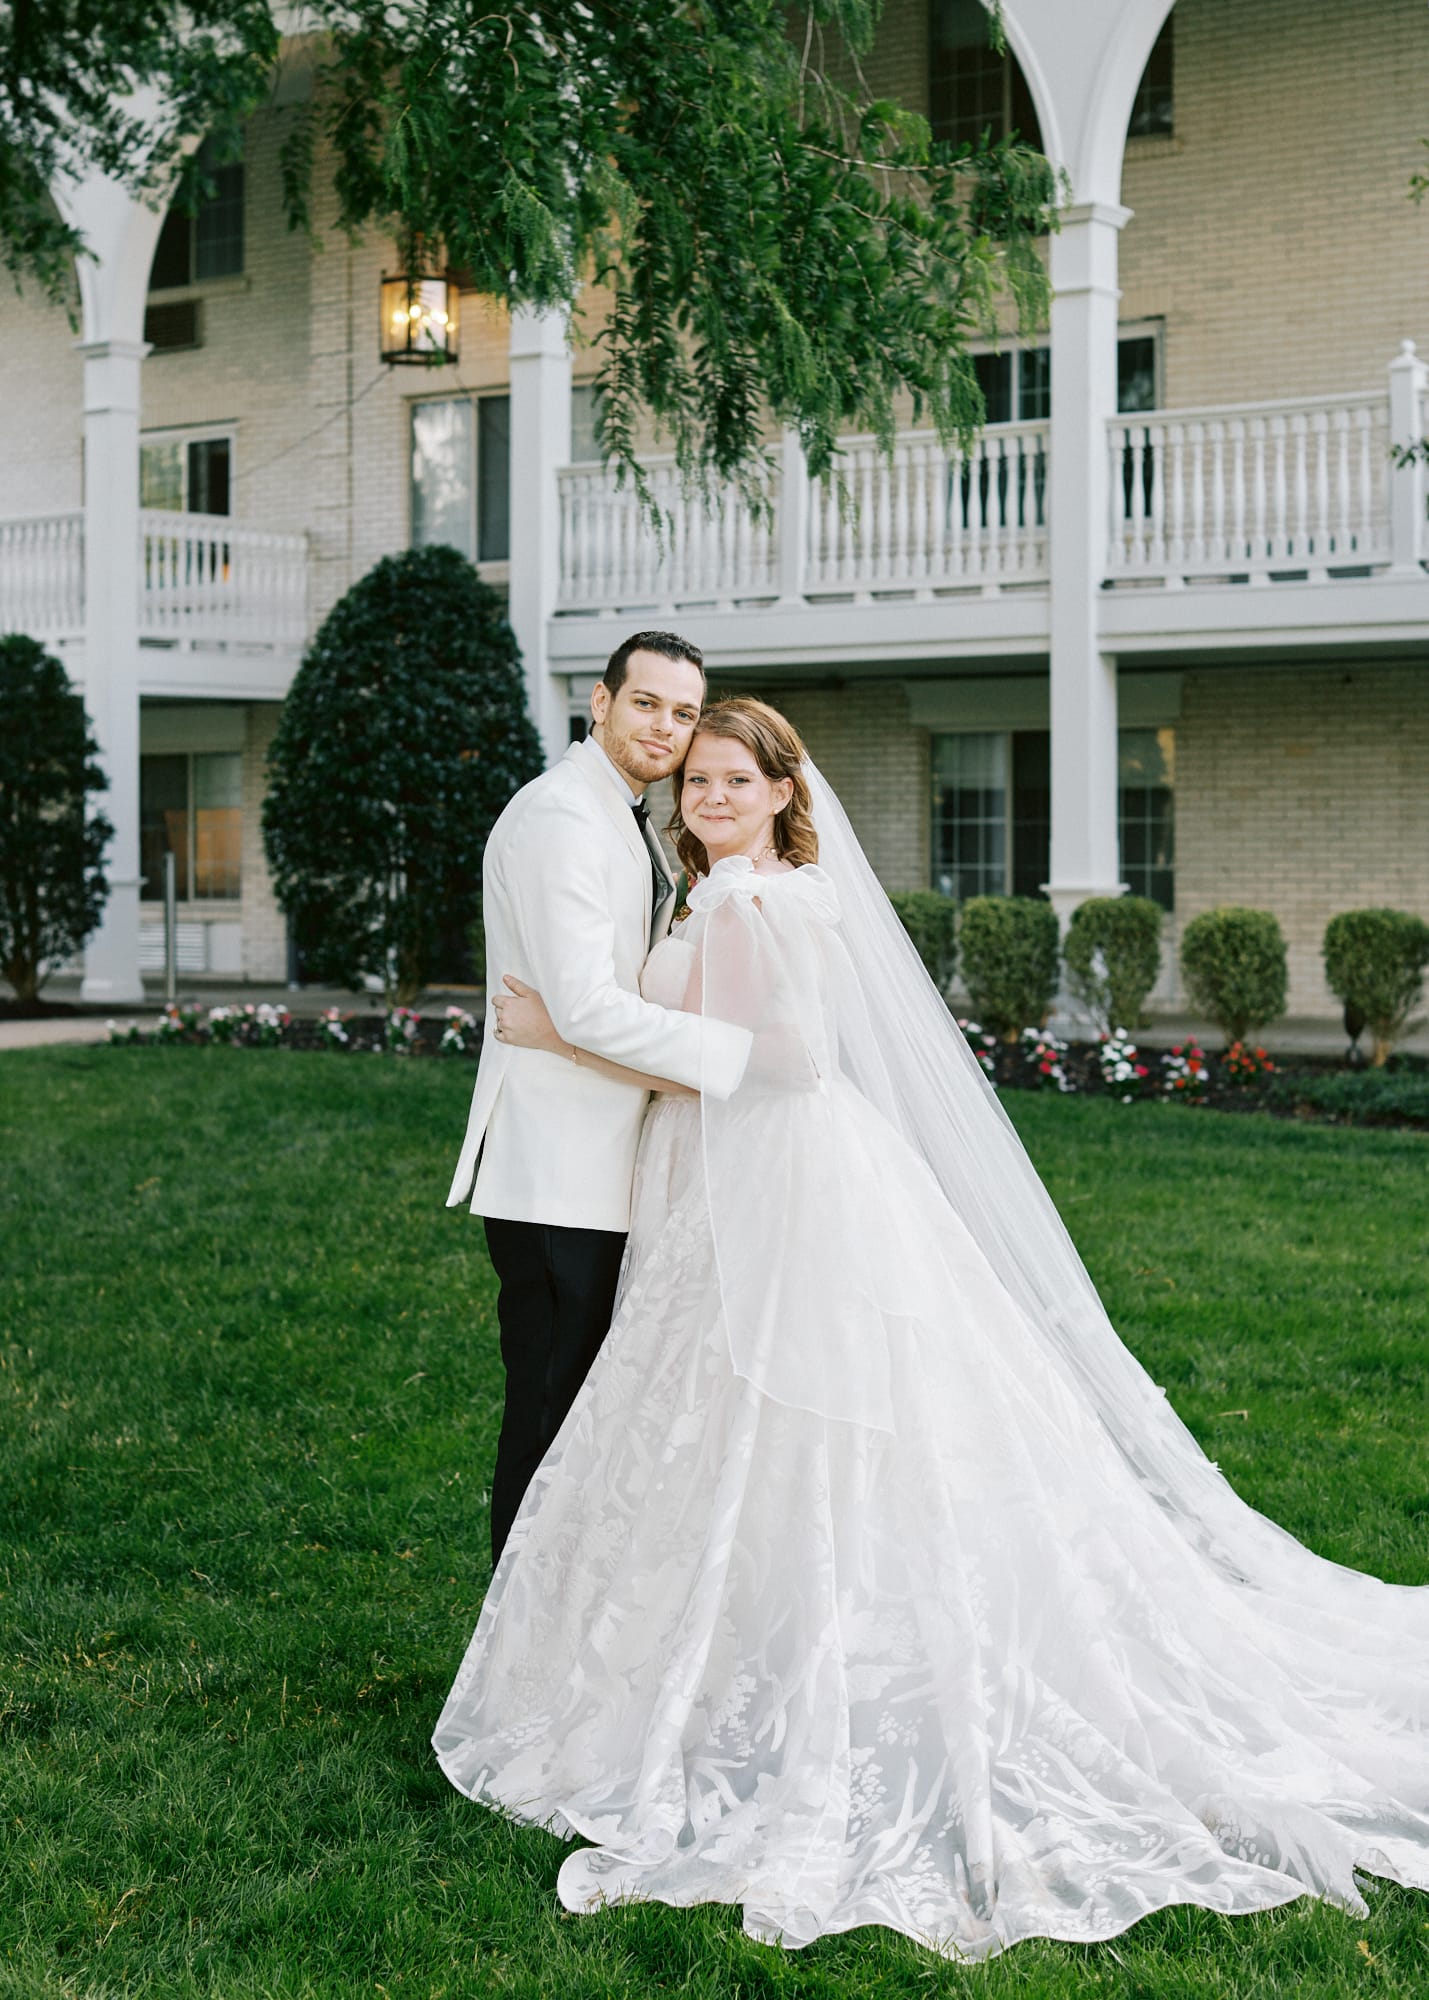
(250, 1392)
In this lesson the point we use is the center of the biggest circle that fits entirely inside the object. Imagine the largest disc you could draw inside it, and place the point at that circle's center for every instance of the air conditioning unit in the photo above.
(171, 328)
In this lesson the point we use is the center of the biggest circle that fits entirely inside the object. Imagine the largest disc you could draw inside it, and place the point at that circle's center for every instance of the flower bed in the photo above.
(402, 1032)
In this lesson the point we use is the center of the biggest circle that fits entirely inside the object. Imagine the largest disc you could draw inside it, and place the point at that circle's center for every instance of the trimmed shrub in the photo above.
(52, 884)
(1374, 962)
(1112, 952)
(1008, 947)
(1233, 963)
(931, 922)
(1361, 1097)
(404, 734)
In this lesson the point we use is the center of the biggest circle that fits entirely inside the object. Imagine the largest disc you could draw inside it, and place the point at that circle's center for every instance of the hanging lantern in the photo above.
(419, 321)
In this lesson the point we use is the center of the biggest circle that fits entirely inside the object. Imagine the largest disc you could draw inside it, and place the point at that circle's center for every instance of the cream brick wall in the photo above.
(878, 763)
(41, 406)
(1303, 791)
(265, 933)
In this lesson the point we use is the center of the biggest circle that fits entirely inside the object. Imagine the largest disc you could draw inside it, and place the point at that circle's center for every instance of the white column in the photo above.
(1407, 375)
(111, 649)
(1085, 859)
(540, 446)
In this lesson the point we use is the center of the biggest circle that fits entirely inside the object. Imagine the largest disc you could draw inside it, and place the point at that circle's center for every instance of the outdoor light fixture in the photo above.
(419, 321)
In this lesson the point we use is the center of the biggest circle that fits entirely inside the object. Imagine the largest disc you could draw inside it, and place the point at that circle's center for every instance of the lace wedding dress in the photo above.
(850, 1593)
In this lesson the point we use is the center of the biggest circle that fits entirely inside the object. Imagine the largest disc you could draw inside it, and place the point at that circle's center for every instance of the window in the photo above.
(209, 244)
(186, 475)
(992, 812)
(972, 89)
(585, 407)
(191, 807)
(1146, 798)
(1153, 109)
(461, 476)
(1016, 383)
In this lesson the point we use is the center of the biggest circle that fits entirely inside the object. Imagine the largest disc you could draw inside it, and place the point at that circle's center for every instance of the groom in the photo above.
(575, 891)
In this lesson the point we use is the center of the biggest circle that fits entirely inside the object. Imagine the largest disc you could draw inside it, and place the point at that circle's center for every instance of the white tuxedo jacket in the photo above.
(568, 900)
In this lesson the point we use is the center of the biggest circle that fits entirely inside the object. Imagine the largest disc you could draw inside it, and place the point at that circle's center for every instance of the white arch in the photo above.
(1083, 62)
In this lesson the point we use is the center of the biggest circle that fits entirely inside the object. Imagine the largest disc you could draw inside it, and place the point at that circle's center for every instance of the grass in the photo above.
(249, 1393)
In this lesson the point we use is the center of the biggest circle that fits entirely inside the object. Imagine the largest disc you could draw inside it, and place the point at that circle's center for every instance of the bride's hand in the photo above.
(522, 1021)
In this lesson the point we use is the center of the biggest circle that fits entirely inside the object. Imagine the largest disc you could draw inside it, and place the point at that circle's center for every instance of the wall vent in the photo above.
(172, 327)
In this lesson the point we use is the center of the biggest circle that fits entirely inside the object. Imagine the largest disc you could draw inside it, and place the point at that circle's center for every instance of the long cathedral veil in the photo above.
(872, 1013)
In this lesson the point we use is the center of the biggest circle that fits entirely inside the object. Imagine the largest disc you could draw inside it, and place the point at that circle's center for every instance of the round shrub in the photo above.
(931, 922)
(1008, 947)
(1112, 952)
(1233, 963)
(1374, 962)
(403, 736)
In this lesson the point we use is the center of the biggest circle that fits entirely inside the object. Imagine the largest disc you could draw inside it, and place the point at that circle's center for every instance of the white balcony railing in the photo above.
(1257, 491)
(928, 520)
(711, 550)
(42, 576)
(931, 518)
(202, 578)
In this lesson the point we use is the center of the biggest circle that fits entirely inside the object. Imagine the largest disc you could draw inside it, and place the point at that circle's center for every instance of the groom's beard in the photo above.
(634, 762)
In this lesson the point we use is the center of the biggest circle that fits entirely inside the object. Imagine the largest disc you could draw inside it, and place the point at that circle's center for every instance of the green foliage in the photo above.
(244, 1496)
(1112, 953)
(931, 922)
(1009, 954)
(1233, 963)
(403, 736)
(1374, 962)
(112, 85)
(52, 886)
(1361, 1097)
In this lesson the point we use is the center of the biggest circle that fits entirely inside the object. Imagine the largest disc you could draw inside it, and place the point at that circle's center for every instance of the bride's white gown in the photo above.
(967, 1678)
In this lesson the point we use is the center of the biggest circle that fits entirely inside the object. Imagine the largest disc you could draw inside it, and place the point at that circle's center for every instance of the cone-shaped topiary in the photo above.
(1008, 947)
(403, 736)
(52, 886)
(1112, 952)
(1233, 963)
(1374, 962)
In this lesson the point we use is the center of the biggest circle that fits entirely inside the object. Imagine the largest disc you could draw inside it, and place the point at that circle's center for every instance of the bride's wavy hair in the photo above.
(774, 744)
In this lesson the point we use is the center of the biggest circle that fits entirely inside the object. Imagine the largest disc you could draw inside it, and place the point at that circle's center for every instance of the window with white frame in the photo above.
(185, 474)
(191, 806)
(208, 244)
(461, 475)
(972, 87)
(992, 812)
(1153, 109)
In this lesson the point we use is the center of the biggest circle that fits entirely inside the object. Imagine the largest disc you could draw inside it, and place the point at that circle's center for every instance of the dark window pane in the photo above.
(970, 815)
(994, 378)
(493, 478)
(1146, 811)
(1136, 373)
(163, 823)
(1034, 385)
(218, 231)
(1031, 810)
(1153, 110)
(173, 253)
(209, 476)
(973, 89)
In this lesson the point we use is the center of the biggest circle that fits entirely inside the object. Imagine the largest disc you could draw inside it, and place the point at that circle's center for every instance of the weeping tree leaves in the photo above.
(776, 245)
(52, 887)
(112, 86)
(403, 736)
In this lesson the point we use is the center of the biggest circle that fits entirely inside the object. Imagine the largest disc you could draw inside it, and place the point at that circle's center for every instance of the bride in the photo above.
(870, 1580)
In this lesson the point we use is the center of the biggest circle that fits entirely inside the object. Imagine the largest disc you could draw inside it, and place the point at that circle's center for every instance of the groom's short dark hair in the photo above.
(669, 644)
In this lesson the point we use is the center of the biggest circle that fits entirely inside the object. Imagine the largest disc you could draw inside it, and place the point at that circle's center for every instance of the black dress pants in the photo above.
(555, 1306)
